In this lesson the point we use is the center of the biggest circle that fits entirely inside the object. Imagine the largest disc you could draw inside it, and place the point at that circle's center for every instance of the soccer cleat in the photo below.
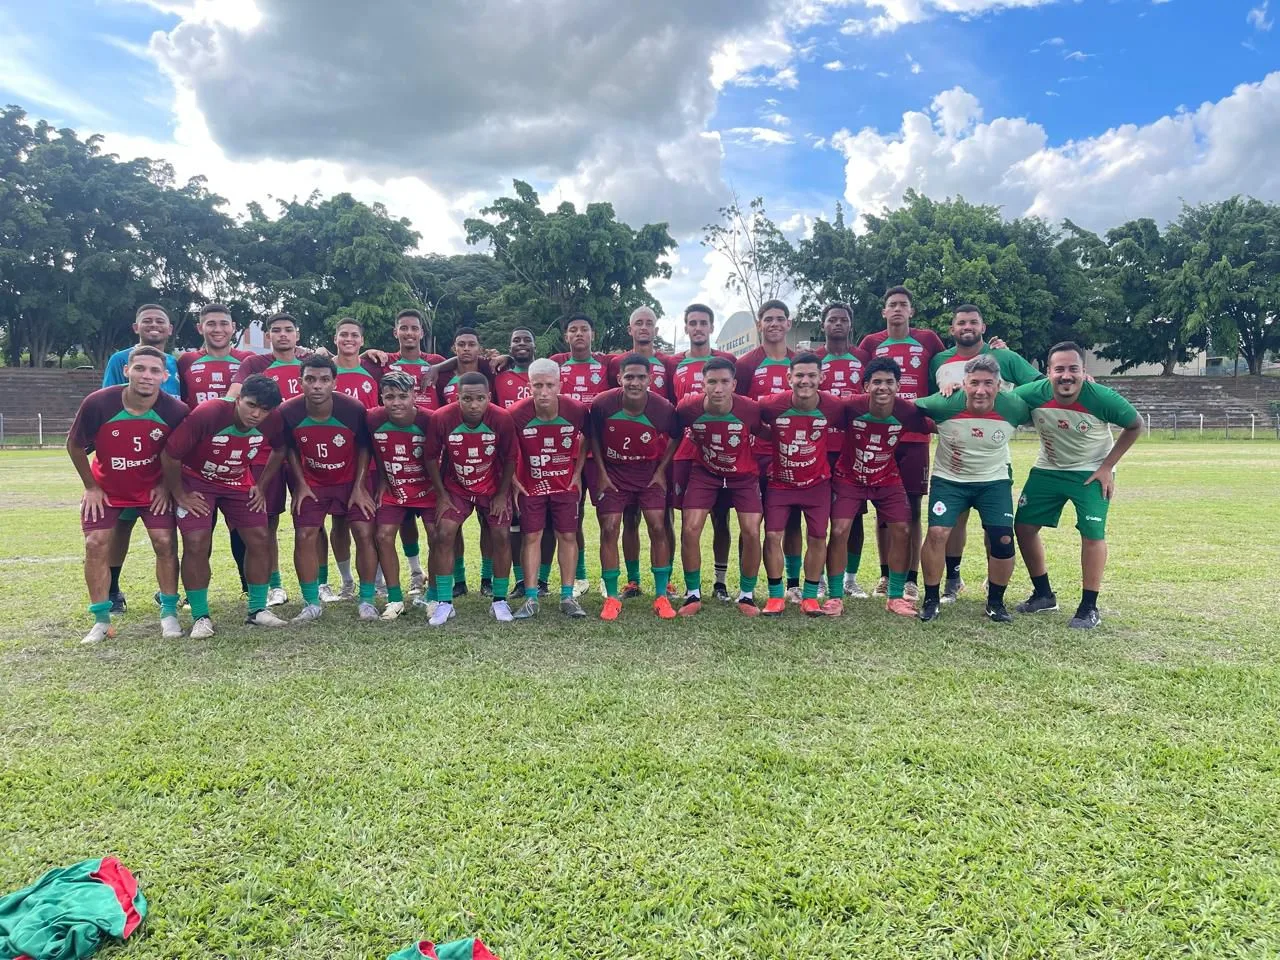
(328, 594)
(444, 612)
(1038, 604)
(348, 591)
(690, 607)
(312, 611)
(517, 589)
(611, 610)
(998, 613)
(911, 591)
(118, 602)
(528, 609)
(501, 611)
(572, 608)
(416, 583)
(459, 589)
(721, 593)
(1088, 621)
(928, 612)
(486, 587)
(544, 590)
(810, 607)
(834, 607)
(747, 606)
(774, 607)
(662, 607)
(202, 629)
(793, 595)
(631, 590)
(853, 590)
(822, 588)
(952, 589)
(882, 588)
(100, 632)
(901, 606)
(170, 628)
(264, 618)
(581, 588)
(392, 611)
(276, 596)
(367, 612)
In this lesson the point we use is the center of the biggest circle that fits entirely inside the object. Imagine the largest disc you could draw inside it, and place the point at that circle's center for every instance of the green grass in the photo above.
(716, 788)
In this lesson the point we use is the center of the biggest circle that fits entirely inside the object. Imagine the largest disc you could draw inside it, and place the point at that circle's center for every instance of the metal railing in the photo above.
(34, 432)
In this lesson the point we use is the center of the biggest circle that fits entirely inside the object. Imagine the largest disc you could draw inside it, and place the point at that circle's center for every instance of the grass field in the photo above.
(860, 787)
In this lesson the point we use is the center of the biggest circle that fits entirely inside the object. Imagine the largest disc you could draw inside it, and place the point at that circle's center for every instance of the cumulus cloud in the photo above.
(1257, 17)
(899, 13)
(762, 135)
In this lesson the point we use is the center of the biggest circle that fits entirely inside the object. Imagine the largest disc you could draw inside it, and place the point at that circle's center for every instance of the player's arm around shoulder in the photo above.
(940, 408)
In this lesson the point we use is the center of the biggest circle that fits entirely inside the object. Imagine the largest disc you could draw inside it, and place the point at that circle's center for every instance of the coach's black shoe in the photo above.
(929, 611)
(998, 613)
(721, 593)
(460, 588)
(1038, 603)
(1086, 620)
(543, 589)
(118, 602)
(486, 587)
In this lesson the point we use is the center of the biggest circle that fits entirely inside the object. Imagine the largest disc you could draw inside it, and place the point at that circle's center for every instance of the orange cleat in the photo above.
(662, 607)
(611, 609)
(833, 607)
(775, 606)
(810, 608)
(690, 608)
(747, 607)
(901, 606)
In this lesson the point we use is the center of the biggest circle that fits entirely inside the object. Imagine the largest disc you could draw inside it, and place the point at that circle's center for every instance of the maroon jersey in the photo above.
(684, 373)
(448, 388)
(549, 448)
(427, 398)
(914, 355)
(400, 453)
(584, 380)
(125, 446)
(213, 448)
(760, 377)
(472, 458)
(286, 373)
(207, 378)
(511, 386)
(328, 448)
(659, 380)
(842, 376)
(798, 446)
(632, 444)
(722, 440)
(867, 456)
(360, 383)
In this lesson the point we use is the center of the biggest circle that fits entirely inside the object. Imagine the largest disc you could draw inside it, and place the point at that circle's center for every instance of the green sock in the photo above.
(460, 569)
(747, 585)
(367, 590)
(633, 571)
(544, 572)
(776, 591)
(257, 597)
(101, 611)
(444, 588)
(896, 582)
(395, 595)
(412, 549)
(501, 587)
(610, 582)
(199, 600)
(810, 590)
(566, 591)
(310, 591)
(324, 573)
(792, 561)
(661, 577)
(835, 583)
(852, 562)
(486, 568)
(168, 604)
(275, 582)
(531, 592)
(693, 581)
(517, 571)
(581, 571)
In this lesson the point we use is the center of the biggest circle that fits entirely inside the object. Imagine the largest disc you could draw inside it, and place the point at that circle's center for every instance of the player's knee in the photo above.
(1001, 540)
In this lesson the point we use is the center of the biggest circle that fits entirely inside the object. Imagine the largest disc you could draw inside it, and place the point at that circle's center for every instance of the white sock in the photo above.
(721, 572)
(344, 568)
(415, 564)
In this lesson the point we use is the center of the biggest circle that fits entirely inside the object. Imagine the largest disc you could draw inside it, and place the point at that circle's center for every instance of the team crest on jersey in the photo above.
(998, 437)
(815, 433)
(939, 508)
(417, 453)
(595, 378)
(488, 451)
(734, 440)
(646, 437)
(659, 381)
(915, 363)
(338, 441)
(893, 439)
(366, 386)
(156, 434)
(1083, 426)
(567, 442)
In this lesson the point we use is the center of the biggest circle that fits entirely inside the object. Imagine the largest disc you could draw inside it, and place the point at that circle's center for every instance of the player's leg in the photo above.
(915, 481)
(99, 551)
(994, 502)
(487, 549)
(308, 533)
(196, 542)
(749, 524)
(793, 555)
(721, 541)
(581, 584)
(656, 519)
(459, 568)
(631, 551)
(947, 500)
(954, 584)
(498, 523)
(517, 555)
(1040, 505)
(692, 520)
(386, 527)
(276, 594)
(340, 541)
(777, 525)
(164, 542)
(609, 516)
(837, 554)
(258, 566)
(817, 519)
(118, 553)
(450, 516)
(1091, 520)
(933, 562)
(412, 554)
(852, 560)
(533, 525)
(367, 566)
(237, 554)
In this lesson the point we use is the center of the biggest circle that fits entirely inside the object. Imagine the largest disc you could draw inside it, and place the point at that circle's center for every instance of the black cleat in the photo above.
(543, 589)
(630, 591)
(517, 590)
(1086, 621)
(486, 587)
(929, 611)
(998, 613)
(460, 589)
(118, 602)
(721, 593)
(1038, 604)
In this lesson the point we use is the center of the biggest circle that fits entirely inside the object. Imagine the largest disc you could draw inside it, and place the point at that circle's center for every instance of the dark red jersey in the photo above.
(400, 453)
(213, 448)
(584, 380)
(511, 386)
(867, 455)
(328, 447)
(125, 446)
(914, 355)
(207, 378)
(659, 381)
(286, 373)
(472, 459)
(798, 446)
(722, 440)
(427, 397)
(549, 448)
(632, 444)
(360, 383)
(759, 376)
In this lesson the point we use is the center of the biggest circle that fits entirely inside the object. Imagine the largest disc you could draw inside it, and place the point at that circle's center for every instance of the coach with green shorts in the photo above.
(973, 469)
(1077, 462)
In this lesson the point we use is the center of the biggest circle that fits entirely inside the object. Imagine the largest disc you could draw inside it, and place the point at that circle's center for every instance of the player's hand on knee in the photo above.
(93, 505)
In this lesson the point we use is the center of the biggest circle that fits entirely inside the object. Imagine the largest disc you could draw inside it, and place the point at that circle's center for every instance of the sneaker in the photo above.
(631, 590)
(392, 611)
(328, 594)
(486, 587)
(459, 589)
(928, 612)
(998, 613)
(882, 588)
(416, 582)
(517, 589)
(444, 612)
(833, 607)
(276, 596)
(264, 618)
(348, 591)
(170, 628)
(793, 595)
(774, 607)
(421, 601)
(571, 608)
(692, 604)
(952, 589)
(528, 610)
(1088, 621)
(911, 591)
(853, 589)
(501, 611)
(100, 632)
(822, 587)
(901, 606)
(312, 611)
(721, 593)
(118, 604)
(611, 610)
(747, 606)
(1038, 604)
(367, 612)
(810, 607)
(543, 589)
(662, 607)
(202, 629)
(581, 588)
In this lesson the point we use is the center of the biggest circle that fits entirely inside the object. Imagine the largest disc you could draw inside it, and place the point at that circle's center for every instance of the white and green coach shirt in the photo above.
(1075, 436)
(974, 447)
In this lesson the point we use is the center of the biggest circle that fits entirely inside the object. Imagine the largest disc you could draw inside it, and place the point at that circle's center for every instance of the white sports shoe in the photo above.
(328, 594)
(348, 591)
(581, 588)
(794, 595)
(416, 581)
(911, 591)
(100, 632)
(367, 611)
(312, 611)
(170, 628)
(852, 588)
(265, 618)
(276, 596)
(202, 629)
(392, 610)
(442, 613)
(501, 610)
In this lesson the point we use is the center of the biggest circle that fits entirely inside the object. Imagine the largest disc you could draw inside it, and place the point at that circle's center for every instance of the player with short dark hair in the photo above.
(153, 327)
(511, 386)
(1077, 462)
(125, 428)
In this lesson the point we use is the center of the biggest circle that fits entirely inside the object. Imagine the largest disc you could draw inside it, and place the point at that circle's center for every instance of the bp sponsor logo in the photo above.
(939, 508)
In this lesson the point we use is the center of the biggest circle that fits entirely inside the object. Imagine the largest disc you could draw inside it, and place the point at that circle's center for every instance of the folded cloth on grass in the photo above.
(70, 912)
(457, 950)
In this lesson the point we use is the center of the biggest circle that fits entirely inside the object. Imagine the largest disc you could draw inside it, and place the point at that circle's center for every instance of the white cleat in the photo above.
(416, 582)
(501, 610)
(328, 594)
(348, 591)
(312, 611)
(276, 596)
(202, 629)
(911, 592)
(794, 595)
(392, 611)
(264, 618)
(100, 632)
(170, 628)
(852, 588)
(442, 613)
(881, 589)
(581, 588)
(367, 611)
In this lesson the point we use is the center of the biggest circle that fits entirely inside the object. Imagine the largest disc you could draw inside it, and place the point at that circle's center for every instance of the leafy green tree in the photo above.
(759, 256)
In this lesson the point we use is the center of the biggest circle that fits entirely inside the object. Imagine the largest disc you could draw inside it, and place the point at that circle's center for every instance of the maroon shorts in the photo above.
(232, 502)
(849, 500)
(913, 465)
(393, 514)
(328, 502)
(814, 502)
(762, 464)
(111, 516)
(680, 483)
(460, 506)
(705, 488)
(274, 492)
(615, 500)
(561, 507)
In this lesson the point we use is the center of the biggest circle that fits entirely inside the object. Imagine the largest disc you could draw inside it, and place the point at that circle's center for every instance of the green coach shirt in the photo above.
(974, 447)
(947, 368)
(1075, 436)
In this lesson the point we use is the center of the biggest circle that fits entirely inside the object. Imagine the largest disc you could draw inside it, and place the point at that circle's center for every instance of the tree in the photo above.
(760, 258)
(455, 292)
(565, 261)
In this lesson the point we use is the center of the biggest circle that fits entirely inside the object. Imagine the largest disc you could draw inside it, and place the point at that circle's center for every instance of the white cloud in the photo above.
(1128, 171)
(1257, 17)
(23, 76)
(762, 135)
(776, 119)
(1078, 55)
(899, 13)
(834, 65)
(915, 67)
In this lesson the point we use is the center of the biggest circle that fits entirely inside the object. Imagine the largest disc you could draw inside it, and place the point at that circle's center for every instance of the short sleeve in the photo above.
(743, 373)
(189, 432)
(88, 420)
(1022, 371)
(508, 446)
(113, 376)
(1110, 405)
(434, 441)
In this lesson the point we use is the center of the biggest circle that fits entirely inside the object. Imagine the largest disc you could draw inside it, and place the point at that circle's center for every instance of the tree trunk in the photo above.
(1170, 360)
